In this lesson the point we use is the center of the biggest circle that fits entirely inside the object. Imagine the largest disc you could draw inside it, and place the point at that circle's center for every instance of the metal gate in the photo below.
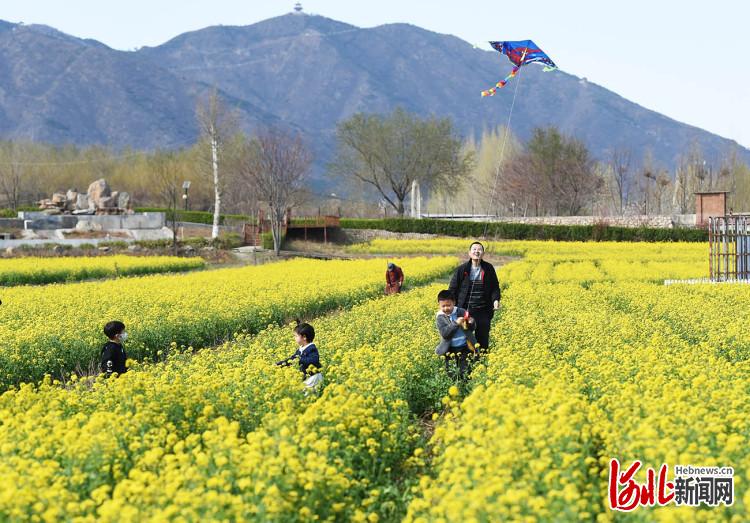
(729, 248)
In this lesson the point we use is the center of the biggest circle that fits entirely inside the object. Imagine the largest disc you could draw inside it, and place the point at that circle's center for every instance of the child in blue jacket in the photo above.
(307, 355)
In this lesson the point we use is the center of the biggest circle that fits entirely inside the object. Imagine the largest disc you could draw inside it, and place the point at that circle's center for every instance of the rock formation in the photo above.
(98, 199)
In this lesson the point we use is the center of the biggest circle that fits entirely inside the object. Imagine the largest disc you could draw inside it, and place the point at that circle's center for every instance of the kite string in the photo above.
(502, 154)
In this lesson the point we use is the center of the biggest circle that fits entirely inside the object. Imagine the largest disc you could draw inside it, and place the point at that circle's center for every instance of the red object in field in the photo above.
(394, 279)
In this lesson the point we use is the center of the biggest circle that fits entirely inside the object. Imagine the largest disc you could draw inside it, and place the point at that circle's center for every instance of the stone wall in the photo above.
(39, 220)
(660, 222)
(11, 223)
(148, 220)
(365, 235)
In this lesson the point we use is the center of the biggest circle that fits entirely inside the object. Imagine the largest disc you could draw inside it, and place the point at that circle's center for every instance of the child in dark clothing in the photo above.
(307, 356)
(113, 356)
(456, 334)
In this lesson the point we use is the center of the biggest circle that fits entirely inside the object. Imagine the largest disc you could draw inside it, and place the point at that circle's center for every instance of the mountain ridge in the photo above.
(308, 72)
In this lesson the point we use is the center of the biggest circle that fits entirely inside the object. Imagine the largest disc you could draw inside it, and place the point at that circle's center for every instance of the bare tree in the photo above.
(169, 177)
(554, 174)
(684, 186)
(578, 178)
(661, 184)
(620, 160)
(703, 174)
(217, 124)
(525, 186)
(275, 165)
(648, 176)
(13, 173)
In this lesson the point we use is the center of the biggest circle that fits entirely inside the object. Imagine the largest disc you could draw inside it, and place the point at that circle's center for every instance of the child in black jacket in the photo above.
(307, 356)
(113, 356)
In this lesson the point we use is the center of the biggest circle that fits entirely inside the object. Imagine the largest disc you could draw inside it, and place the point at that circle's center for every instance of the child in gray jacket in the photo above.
(456, 330)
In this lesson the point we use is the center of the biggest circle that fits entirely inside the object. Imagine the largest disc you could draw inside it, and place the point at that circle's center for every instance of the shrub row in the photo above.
(10, 213)
(226, 241)
(522, 231)
(207, 217)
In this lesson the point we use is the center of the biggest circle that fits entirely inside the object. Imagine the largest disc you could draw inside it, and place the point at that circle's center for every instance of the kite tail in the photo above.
(501, 83)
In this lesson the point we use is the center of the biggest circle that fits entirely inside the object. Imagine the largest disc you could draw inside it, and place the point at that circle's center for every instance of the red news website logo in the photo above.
(691, 486)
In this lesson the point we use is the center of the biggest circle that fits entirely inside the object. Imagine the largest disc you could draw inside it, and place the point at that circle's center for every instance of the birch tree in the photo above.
(169, 177)
(217, 125)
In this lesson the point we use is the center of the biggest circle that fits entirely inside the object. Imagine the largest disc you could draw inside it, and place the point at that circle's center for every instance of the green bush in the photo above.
(225, 241)
(230, 240)
(154, 244)
(10, 213)
(522, 231)
(114, 244)
(267, 240)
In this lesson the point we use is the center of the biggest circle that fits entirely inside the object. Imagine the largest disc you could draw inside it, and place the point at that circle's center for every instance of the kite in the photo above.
(520, 53)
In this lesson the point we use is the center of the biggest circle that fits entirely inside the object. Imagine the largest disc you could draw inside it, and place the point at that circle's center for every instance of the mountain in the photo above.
(60, 89)
(307, 72)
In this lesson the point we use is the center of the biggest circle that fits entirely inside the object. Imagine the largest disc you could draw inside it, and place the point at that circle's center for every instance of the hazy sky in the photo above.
(683, 58)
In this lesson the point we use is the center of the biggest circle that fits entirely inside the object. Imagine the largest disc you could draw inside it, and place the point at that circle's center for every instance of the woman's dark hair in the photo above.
(446, 295)
(113, 328)
(305, 330)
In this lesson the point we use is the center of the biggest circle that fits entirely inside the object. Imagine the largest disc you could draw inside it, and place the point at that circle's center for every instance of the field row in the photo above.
(58, 328)
(569, 250)
(34, 271)
(547, 261)
(583, 374)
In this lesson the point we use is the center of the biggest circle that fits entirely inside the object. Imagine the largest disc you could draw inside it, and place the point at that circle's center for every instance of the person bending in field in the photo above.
(394, 279)
(307, 356)
(113, 354)
(456, 330)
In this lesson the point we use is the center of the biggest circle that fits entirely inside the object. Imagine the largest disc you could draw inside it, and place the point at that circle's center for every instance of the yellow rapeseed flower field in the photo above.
(592, 359)
(40, 270)
(56, 328)
(226, 435)
(566, 261)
